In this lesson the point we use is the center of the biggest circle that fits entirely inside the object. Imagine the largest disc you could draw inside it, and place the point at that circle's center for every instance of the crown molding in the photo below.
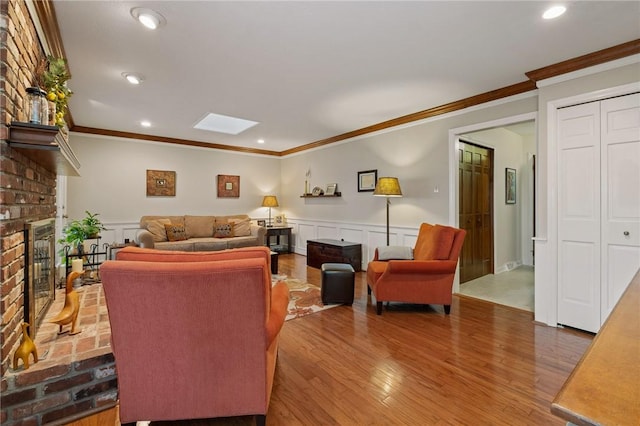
(176, 141)
(585, 61)
(482, 98)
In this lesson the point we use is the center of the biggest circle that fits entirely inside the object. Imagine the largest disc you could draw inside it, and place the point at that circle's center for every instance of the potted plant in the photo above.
(76, 231)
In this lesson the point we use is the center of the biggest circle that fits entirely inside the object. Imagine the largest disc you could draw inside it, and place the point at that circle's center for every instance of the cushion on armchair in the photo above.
(434, 242)
(395, 253)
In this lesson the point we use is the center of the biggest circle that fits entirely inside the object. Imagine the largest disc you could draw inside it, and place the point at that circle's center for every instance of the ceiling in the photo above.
(306, 70)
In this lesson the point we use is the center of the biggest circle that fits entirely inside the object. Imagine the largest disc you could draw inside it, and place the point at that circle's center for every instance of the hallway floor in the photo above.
(513, 288)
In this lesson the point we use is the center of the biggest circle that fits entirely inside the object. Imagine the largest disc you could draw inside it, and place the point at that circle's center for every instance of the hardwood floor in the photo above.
(483, 364)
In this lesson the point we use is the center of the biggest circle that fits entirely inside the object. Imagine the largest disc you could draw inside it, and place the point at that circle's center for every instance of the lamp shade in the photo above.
(270, 201)
(388, 187)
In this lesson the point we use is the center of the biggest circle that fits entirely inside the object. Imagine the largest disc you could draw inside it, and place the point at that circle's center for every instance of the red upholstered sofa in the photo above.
(425, 279)
(194, 335)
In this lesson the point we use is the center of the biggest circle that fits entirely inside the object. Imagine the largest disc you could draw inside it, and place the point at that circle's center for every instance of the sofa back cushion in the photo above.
(199, 226)
(157, 229)
(241, 227)
(434, 242)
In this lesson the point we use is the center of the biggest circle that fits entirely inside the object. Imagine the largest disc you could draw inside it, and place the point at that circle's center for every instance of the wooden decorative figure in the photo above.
(26, 348)
(69, 313)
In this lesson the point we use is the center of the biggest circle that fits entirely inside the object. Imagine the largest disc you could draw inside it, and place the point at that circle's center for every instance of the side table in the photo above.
(278, 233)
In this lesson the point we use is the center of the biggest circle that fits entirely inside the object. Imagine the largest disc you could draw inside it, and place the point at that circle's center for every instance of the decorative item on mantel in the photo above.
(52, 75)
(306, 181)
(26, 348)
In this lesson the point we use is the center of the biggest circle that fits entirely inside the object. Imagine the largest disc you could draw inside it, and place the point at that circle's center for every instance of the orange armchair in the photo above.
(425, 279)
(194, 335)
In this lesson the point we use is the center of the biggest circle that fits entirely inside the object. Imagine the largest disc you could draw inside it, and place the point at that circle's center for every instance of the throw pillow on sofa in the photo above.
(175, 232)
(223, 230)
(156, 227)
(241, 227)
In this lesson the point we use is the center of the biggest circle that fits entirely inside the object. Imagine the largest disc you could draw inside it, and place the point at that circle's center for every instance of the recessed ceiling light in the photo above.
(147, 17)
(224, 124)
(260, 140)
(133, 78)
(145, 123)
(554, 12)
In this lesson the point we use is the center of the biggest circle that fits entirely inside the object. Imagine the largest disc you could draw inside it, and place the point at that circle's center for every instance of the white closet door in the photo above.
(579, 216)
(620, 126)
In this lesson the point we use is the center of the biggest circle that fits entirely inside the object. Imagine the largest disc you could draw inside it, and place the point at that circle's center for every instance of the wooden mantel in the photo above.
(604, 388)
(46, 145)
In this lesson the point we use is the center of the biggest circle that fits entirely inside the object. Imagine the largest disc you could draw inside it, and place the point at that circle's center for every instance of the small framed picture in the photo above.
(262, 222)
(279, 220)
(331, 189)
(228, 186)
(510, 186)
(367, 180)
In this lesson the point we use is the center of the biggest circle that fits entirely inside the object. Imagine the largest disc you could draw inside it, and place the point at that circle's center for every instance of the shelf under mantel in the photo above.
(46, 145)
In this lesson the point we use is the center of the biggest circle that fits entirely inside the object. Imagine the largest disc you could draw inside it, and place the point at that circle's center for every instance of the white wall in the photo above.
(417, 155)
(113, 181)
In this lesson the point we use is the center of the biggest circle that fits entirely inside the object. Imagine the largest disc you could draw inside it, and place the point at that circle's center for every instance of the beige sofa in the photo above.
(199, 233)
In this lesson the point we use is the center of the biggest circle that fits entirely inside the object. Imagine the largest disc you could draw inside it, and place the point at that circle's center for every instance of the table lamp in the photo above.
(387, 187)
(269, 201)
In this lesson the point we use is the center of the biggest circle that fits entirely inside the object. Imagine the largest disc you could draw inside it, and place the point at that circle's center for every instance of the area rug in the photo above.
(304, 298)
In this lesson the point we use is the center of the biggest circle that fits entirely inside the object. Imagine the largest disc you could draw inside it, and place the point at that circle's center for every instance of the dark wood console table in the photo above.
(334, 251)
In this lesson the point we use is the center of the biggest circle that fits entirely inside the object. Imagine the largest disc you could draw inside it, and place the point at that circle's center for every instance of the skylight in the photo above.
(224, 124)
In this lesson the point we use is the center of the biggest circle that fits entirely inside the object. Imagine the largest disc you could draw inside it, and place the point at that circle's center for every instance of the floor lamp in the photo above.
(269, 201)
(387, 187)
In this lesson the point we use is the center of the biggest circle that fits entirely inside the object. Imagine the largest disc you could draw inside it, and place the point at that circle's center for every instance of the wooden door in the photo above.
(475, 170)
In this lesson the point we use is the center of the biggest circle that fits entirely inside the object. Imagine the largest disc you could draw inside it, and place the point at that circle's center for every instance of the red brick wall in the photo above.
(27, 190)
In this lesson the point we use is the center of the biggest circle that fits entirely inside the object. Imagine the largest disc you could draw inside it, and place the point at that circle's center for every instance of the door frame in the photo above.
(454, 141)
(546, 271)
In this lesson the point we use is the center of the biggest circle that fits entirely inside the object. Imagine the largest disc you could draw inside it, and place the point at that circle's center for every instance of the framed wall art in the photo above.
(367, 180)
(510, 186)
(228, 186)
(161, 183)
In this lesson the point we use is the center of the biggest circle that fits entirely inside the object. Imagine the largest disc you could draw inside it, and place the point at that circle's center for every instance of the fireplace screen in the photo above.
(39, 271)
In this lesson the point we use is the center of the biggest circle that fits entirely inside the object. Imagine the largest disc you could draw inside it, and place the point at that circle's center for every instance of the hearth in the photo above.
(39, 271)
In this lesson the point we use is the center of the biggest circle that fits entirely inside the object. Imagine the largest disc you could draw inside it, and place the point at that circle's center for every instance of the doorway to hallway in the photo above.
(476, 210)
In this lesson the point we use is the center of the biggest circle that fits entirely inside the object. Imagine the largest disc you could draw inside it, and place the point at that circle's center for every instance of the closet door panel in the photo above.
(620, 126)
(579, 216)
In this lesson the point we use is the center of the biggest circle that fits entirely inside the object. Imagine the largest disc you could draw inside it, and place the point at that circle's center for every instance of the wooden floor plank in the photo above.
(483, 364)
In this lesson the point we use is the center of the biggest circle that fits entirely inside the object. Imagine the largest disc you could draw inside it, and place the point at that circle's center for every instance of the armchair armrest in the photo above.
(421, 267)
(278, 312)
